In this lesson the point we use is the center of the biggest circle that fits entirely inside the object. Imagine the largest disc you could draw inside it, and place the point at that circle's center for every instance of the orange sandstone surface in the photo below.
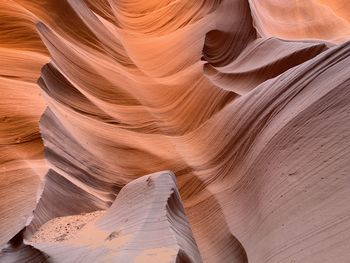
(175, 131)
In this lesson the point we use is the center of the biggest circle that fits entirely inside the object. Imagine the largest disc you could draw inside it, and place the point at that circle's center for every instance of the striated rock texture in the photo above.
(16, 251)
(22, 165)
(146, 223)
(247, 102)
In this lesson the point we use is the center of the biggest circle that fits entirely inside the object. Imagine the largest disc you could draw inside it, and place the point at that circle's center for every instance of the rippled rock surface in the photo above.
(246, 102)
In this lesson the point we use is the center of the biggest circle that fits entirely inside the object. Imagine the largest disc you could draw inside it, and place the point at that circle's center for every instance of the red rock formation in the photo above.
(247, 102)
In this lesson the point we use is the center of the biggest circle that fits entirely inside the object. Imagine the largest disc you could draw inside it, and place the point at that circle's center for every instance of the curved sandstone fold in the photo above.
(22, 165)
(16, 251)
(312, 19)
(146, 223)
(246, 101)
(271, 58)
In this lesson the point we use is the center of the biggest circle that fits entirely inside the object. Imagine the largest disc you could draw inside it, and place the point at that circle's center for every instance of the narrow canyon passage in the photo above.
(218, 129)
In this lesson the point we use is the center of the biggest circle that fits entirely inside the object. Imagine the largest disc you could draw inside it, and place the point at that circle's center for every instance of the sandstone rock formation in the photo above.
(247, 102)
(146, 223)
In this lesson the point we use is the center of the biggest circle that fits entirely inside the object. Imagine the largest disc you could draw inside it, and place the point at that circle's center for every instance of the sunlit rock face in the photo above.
(246, 102)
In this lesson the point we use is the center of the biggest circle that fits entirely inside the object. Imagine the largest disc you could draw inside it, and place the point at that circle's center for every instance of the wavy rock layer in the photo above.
(17, 251)
(312, 19)
(146, 223)
(246, 101)
(22, 165)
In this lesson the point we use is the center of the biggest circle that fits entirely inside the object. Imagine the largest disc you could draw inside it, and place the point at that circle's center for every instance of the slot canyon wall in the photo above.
(206, 130)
